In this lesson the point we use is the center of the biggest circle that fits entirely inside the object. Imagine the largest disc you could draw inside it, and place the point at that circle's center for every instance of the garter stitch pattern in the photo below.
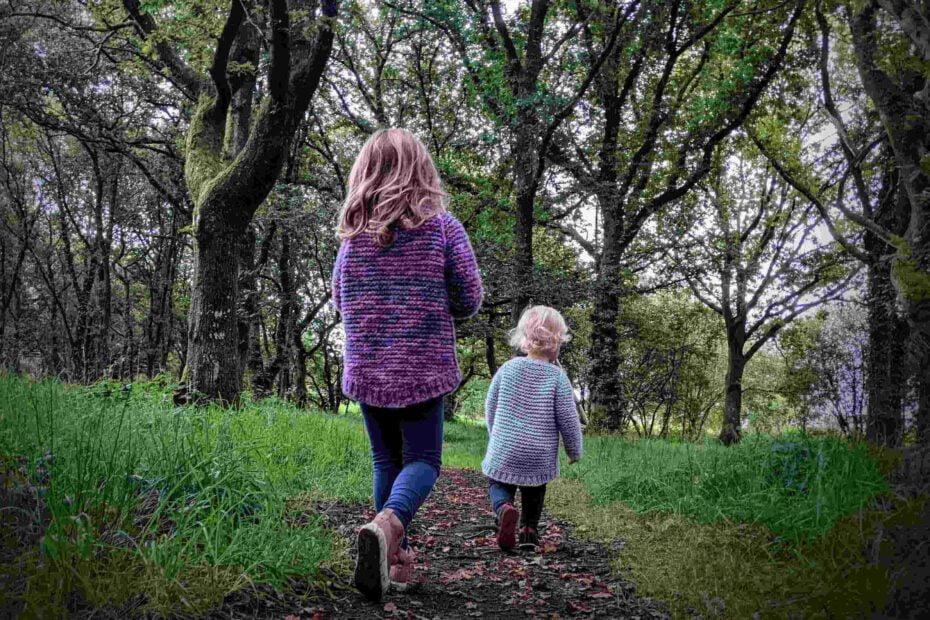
(529, 404)
(398, 304)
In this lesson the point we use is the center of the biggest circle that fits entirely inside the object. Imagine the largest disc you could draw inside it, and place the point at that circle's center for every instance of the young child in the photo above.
(529, 404)
(404, 270)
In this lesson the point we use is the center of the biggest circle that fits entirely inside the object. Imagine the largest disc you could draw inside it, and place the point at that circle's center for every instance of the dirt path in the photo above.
(463, 574)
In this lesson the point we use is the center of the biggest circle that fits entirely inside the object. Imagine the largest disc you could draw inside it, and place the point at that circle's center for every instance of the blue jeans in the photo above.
(406, 446)
(532, 499)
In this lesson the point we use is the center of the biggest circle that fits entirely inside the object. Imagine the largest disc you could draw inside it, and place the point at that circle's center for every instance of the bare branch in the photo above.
(879, 231)
(575, 236)
(512, 56)
(280, 68)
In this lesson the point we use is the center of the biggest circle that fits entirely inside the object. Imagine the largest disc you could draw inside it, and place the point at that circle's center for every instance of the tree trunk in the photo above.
(449, 404)
(276, 370)
(248, 319)
(605, 362)
(605, 386)
(606, 396)
(227, 187)
(332, 382)
(902, 104)
(300, 370)
(730, 431)
(922, 421)
(213, 346)
(490, 353)
(886, 375)
(527, 159)
(886, 378)
(159, 326)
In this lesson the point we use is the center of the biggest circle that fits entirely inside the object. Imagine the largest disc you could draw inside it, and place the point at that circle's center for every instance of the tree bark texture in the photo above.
(904, 108)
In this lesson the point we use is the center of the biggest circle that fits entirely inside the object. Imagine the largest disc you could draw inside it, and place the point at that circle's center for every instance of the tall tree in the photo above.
(899, 93)
(686, 76)
(234, 155)
(859, 189)
(526, 76)
(756, 262)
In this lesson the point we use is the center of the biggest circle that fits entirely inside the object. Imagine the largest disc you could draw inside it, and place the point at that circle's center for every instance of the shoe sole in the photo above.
(401, 586)
(372, 575)
(507, 529)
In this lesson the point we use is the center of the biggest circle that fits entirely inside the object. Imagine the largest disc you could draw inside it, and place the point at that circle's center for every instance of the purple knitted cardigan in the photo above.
(397, 305)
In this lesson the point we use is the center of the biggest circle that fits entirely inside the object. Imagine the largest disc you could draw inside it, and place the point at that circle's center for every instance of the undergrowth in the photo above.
(182, 505)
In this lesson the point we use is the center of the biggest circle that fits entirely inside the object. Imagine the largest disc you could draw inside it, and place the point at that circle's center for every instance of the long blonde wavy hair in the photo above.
(393, 182)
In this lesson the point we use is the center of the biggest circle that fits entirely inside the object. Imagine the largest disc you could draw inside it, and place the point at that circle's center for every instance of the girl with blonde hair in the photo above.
(404, 271)
(530, 404)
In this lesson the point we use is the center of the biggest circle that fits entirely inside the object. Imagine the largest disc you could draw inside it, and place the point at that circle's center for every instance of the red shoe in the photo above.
(507, 527)
(529, 538)
(402, 570)
(378, 544)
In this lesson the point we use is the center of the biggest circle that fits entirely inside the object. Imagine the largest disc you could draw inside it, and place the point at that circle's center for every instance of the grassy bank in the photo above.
(796, 486)
(735, 570)
(182, 505)
(778, 526)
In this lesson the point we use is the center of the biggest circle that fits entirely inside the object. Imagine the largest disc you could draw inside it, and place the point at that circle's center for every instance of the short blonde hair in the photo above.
(541, 329)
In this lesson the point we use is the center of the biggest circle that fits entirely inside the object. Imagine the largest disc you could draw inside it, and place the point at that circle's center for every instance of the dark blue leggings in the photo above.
(406, 446)
(532, 499)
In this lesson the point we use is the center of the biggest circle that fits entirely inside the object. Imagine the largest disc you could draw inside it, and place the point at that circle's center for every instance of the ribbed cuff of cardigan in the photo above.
(532, 480)
(398, 395)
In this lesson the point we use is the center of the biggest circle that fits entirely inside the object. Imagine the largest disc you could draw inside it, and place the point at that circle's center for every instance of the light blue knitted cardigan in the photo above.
(529, 404)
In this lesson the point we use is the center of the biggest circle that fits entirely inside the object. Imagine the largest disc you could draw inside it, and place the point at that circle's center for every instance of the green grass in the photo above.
(775, 526)
(171, 496)
(796, 486)
(464, 443)
(184, 504)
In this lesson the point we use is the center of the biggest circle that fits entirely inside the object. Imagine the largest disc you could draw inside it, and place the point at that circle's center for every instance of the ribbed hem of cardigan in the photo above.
(396, 396)
(533, 480)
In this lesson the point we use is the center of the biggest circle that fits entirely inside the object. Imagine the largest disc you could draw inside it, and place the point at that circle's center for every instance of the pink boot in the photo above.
(378, 544)
(402, 570)
(507, 527)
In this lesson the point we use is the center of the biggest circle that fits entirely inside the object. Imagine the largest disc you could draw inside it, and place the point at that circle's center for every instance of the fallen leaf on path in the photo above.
(457, 575)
